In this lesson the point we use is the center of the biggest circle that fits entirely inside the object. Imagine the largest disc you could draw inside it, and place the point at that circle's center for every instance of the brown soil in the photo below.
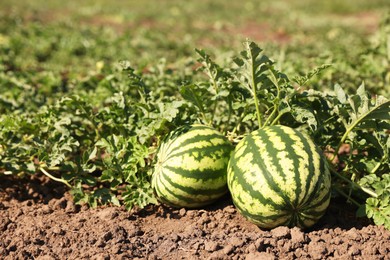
(38, 220)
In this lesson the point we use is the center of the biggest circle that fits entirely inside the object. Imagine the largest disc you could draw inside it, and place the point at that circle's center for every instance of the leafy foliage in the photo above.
(102, 153)
(378, 206)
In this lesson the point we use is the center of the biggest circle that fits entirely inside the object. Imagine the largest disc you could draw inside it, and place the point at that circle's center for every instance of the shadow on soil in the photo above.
(39, 188)
(338, 215)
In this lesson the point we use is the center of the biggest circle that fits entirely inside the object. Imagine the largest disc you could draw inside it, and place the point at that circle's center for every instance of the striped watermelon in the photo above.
(191, 167)
(278, 177)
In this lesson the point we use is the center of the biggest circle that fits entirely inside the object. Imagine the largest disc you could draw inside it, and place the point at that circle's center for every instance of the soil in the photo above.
(38, 220)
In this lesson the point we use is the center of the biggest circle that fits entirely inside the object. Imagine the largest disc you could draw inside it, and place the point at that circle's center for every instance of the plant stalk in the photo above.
(353, 184)
(276, 100)
(254, 93)
(55, 178)
(258, 113)
(347, 197)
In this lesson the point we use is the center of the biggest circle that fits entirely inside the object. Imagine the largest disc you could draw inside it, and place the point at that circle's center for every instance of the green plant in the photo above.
(262, 96)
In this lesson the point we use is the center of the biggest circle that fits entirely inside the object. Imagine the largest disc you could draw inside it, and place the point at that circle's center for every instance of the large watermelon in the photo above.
(277, 176)
(191, 167)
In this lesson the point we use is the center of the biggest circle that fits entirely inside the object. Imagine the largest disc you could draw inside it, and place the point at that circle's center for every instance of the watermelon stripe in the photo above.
(212, 174)
(280, 169)
(189, 190)
(198, 138)
(199, 166)
(318, 189)
(268, 218)
(175, 200)
(179, 198)
(170, 196)
(241, 179)
(260, 218)
(308, 218)
(309, 177)
(225, 148)
(158, 191)
(248, 190)
(170, 144)
(321, 203)
(309, 150)
(259, 160)
(197, 135)
(296, 159)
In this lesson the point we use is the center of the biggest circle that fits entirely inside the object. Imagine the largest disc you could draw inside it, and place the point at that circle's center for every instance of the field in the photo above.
(89, 90)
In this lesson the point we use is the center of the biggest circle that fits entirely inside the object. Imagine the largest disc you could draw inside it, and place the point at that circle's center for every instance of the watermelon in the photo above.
(277, 176)
(191, 167)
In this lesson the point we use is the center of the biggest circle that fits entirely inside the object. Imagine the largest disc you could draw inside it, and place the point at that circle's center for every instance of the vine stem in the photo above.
(276, 100)
(240, 120)
(376, 167)
(258, 113)
(348, 197)
(353, 184)
(55, 178)
(254, 92)
(215, 86)
(343, 138)
(277, 118)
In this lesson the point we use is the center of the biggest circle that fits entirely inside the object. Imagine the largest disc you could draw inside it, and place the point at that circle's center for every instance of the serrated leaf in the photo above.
(194, 95)
(341, 95)
(366, 109)
(304, 115)
(381, 109)
(302, 80)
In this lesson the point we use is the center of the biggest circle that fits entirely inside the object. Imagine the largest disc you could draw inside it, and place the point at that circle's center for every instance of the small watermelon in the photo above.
(277, 176)
(191, 167)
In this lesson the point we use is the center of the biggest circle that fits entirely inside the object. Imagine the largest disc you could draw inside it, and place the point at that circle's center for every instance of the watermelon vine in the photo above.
(362, 122)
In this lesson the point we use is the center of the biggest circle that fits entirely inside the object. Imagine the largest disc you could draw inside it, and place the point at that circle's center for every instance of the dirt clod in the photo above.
(260, 255)
(281, 232)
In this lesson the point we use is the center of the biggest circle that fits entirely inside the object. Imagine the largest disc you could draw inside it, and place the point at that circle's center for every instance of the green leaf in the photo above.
(341, 95)
(302, 80)
(379, 211)
(364, 108)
